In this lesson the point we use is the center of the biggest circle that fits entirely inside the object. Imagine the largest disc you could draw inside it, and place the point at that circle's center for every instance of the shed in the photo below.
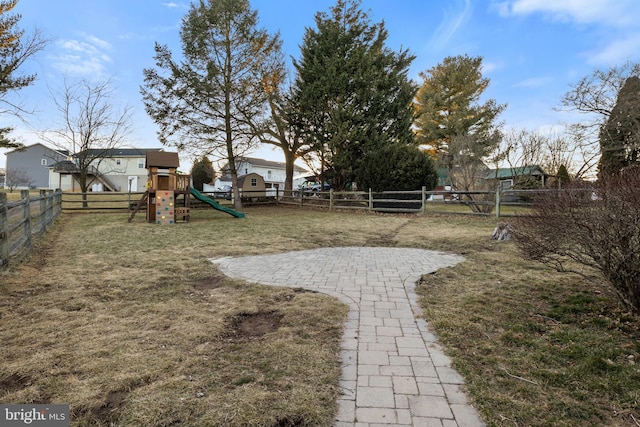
(251, 185)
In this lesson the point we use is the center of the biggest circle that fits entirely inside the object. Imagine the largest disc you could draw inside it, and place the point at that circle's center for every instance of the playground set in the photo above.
(168, 194)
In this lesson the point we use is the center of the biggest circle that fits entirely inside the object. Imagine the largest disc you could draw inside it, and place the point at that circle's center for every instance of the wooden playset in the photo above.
(167, 196)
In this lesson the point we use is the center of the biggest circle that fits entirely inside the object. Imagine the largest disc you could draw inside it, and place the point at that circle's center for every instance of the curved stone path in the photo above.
(393, 370)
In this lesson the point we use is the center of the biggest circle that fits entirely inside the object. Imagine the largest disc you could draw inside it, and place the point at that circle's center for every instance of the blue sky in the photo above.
(533, 50)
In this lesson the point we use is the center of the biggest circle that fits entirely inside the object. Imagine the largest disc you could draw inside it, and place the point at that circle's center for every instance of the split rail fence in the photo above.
(498, 203)
(24, 221)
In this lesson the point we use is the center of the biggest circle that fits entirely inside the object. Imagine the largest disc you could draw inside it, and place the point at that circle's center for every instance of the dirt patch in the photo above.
(107, 413)
(290, 422)
(207, 283)
(254, 325)
(13, 383)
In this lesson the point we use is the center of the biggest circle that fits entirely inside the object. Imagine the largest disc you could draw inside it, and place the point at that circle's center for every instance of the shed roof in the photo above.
(162, 159)
(505, 173)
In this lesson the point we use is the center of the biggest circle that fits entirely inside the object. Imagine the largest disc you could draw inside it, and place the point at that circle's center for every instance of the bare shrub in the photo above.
(597, 225)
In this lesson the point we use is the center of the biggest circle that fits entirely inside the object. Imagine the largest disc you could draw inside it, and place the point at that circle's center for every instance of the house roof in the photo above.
(162, 159)
(266, 164)
(504, 173)
(119, 152)
(61, 152)
(241, 179)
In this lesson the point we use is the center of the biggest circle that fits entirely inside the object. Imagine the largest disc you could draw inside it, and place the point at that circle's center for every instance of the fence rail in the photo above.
(24, 221)
(498, 203)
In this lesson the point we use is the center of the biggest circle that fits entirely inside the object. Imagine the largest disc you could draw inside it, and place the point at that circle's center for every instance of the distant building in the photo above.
(34, 163)
(273, 173)
(118, 169)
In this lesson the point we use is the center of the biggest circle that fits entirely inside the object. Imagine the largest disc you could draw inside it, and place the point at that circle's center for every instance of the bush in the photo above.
(398, 167)
(596, 225)
(202, 173)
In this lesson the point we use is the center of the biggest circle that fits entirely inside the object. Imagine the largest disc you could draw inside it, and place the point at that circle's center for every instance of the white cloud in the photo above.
(616, 52)
(534, 82)
(488, 67)
(613, 13)
(170, 4)
(85, 56)
(615, 23)
(452, 21)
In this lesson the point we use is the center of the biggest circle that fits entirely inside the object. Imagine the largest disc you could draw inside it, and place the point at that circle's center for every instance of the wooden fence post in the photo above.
(26, 214)
(498, 202)
(370, 200)
(330, 198)
(42, 215)
(4, 232)
(49, 217)
(424, 200)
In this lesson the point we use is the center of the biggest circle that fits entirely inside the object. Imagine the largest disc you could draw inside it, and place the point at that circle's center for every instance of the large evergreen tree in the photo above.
(202, 172)
(208, 102)
(620, 135)
(351, 93)
(448, 105)
(15, 49)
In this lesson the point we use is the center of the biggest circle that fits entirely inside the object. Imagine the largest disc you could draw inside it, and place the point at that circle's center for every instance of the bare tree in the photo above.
(92, 127)
(16, 178)
(468, 171)
(549, 151)
(594, 96)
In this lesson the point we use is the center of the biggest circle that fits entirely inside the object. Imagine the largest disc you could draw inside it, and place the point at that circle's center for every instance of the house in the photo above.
(509, 177)
(273, 173)
(31, 166)
(116, 169)
(3, 174)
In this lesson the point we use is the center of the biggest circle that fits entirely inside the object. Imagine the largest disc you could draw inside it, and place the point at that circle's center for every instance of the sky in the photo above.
(533, 50)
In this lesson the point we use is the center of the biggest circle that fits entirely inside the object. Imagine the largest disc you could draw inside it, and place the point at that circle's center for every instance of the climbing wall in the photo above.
(165, 207)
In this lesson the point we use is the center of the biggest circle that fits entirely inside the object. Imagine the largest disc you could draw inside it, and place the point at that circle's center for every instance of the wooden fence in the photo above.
(498, 203)
(24, 221)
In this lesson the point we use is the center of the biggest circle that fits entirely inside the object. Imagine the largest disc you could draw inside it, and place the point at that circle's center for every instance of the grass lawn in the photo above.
(131, 325)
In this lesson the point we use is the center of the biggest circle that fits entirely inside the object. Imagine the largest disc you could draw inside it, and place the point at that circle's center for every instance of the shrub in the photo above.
(202, 173)
(399, 167)
(597, 225)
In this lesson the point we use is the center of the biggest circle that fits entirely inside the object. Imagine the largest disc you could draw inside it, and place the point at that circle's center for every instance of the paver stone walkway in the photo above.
(394, 373)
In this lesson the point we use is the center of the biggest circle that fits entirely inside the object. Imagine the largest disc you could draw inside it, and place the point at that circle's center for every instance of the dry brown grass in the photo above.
(131, 325)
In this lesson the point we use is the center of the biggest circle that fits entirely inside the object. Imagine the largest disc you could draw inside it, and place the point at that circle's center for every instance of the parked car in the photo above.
(312, 186)
(223, 192)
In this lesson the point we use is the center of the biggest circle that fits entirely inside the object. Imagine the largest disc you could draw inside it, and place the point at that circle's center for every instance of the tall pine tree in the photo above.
(208, 101)
(15, 49)
(351, 94)
(447, 105)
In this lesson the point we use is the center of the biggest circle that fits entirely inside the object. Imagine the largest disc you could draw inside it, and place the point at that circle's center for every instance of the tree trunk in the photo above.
(289, 160)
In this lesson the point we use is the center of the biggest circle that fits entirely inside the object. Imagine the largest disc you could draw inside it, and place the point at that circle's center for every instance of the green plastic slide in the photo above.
(215, 205)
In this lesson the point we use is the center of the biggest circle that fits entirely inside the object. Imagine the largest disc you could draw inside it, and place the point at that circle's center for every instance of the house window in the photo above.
(254, 182)
(43, 162)
(118, 162)
(246, 171)
(140, 163)
(269, 174)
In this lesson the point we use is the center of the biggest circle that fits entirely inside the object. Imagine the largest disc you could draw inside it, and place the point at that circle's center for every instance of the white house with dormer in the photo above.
(273, 173)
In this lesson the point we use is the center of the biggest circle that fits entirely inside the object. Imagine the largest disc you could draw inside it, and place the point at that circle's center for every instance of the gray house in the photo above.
(28, 167)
